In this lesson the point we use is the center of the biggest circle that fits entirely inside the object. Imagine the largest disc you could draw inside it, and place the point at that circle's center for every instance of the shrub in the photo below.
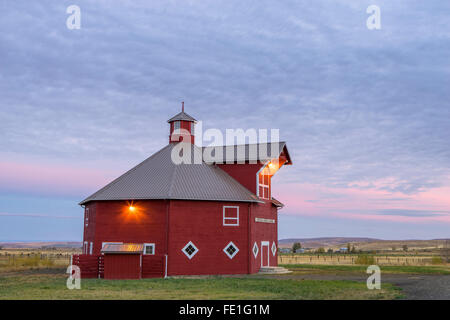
(436, 260)
(365, 259)
(295, 246)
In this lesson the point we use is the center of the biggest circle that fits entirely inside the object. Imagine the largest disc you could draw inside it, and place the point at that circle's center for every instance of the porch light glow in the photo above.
(131, 208)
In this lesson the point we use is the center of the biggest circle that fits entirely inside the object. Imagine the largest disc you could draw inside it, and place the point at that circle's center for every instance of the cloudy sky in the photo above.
(365, 113)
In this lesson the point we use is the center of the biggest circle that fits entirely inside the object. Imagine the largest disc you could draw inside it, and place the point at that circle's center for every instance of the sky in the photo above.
(365, 113)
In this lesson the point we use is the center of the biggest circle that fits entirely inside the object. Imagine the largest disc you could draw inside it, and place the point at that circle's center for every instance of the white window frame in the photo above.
(91, 247)
(265, 244)
(192, 128)
(266, 188)
(149, 245)
(194, 253)
(236, 224)
(255, 252)
(274, 248)
(227, 253)
(258, 183)
(85, 246)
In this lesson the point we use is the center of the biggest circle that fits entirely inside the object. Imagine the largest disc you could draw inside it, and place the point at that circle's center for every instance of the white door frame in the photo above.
(265, 244)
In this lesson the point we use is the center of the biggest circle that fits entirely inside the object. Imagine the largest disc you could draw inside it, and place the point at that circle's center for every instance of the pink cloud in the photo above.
(51, 179)
(366, 204)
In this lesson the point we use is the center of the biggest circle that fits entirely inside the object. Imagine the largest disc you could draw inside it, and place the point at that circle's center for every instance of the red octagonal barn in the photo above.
(210, 216)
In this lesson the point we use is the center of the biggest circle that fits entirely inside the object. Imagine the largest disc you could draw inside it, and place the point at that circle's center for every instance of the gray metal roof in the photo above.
(245, 152)
(158, 177)
(277, 203)
(182, 116)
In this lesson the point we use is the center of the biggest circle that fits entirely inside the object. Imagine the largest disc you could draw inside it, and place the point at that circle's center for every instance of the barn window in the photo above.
(192, 128)
(255, 250)
(231, 250)
(85, 247)
(230, 216)
(274, 248)
(149, 248)
(176, 125)
(86, 216)
(190, 250)
(91, 247)
(264, 186)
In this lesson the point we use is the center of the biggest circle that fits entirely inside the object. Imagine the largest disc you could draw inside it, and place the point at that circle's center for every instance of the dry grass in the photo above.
(33, 260)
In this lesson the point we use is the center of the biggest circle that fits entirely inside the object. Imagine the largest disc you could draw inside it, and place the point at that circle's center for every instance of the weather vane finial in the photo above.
(182, 106)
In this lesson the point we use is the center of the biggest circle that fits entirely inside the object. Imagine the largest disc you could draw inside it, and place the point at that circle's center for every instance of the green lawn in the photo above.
(40, 285)
(312, 268)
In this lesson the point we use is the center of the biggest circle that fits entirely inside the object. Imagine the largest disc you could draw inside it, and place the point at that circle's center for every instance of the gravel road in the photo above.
(415, 287)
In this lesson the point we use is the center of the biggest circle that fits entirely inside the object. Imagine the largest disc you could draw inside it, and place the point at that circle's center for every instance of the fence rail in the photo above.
(34, 260)
(351, 259)
(91, 266)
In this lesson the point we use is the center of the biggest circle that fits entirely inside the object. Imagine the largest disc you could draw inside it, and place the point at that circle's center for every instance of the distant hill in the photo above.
(323, 242)
(42, 244)
(361, 243)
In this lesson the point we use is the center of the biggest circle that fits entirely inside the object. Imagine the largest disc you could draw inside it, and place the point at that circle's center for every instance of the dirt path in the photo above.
(414, 287)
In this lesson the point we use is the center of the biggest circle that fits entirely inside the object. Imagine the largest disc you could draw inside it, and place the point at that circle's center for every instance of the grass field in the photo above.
(310, 268)
(51, 284)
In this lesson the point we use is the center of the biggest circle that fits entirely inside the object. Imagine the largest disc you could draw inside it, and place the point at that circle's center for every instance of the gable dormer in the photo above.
(254, 167)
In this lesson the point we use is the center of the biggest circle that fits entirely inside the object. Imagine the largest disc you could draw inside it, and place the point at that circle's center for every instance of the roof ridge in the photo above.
(182, 116)
(123, 175)
(243, 144)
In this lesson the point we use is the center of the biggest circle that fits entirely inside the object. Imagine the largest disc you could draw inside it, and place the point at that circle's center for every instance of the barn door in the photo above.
(265, 253)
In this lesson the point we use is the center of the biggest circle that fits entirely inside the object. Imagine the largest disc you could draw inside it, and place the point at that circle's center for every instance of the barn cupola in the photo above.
(182, 127)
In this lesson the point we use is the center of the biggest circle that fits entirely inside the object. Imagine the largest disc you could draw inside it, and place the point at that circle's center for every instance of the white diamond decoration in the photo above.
(231, 250)
(255, 250)
(190, 250)
(274, 248)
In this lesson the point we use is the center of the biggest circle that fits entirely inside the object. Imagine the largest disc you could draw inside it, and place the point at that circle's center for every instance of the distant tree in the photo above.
(394, 248)
(320, 250)
(1, 247)
(349, 247)
(330, 250)
(353, 249)
(296, 245)
(405, 247)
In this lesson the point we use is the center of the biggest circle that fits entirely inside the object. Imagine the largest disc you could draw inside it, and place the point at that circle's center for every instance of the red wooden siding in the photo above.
(262, 231)
(198, 221)
(202, 223)
(146, 224)
(245, 174)
(89, 226)
(153, 266)
(185, 125)
(122, 266)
